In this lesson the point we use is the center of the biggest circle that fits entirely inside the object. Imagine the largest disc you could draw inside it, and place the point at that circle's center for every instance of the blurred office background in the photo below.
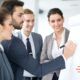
(70, 9)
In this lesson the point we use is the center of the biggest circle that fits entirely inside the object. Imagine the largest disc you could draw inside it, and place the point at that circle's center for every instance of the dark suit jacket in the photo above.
(38, 42)
(16, 53)
(5, 68)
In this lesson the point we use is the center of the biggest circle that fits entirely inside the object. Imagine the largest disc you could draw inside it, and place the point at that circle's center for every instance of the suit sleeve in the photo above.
(17, 54)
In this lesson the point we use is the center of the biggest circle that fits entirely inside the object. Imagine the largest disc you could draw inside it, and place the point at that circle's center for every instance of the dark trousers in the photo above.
(32, 78)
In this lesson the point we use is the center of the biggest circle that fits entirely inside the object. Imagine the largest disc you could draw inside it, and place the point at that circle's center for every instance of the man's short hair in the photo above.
(11, 4)
(28, 11)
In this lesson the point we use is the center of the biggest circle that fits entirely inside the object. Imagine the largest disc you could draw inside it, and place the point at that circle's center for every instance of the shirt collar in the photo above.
(63, 38)
(63, 33)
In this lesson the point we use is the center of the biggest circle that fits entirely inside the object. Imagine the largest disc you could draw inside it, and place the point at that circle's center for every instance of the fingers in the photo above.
(69, 49)
(70, 44)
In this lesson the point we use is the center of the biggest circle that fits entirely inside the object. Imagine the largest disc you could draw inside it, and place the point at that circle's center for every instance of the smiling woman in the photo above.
(54, 42)
(5, 34)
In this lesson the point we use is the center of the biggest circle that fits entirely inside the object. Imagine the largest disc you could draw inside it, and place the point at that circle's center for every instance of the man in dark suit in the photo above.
(16, 51)
(35, 41)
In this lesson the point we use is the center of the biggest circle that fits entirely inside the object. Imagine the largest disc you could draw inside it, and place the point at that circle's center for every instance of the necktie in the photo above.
(28, 46)
(55, 77)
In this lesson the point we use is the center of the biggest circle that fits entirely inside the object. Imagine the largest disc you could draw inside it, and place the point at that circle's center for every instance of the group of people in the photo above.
(23, 55)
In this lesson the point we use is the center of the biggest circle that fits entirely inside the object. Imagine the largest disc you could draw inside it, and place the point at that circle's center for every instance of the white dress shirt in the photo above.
(26, 73)
(15, 32)
(56, 50)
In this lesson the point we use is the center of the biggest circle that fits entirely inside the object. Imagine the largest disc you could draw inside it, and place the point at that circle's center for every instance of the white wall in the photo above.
(70, 9)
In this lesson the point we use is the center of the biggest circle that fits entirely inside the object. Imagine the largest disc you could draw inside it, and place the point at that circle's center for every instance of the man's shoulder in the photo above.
(12, 41)
(49, 37)
(16, 40)
(36, 35)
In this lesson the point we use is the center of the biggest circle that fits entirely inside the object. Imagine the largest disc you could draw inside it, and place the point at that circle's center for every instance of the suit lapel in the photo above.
(66, 35)
(51, 42)
(35, 42)
(33, 37)
(50, 45)
(20, 37)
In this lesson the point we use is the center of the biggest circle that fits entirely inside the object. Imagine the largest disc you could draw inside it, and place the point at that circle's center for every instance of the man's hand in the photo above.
(69, 49)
